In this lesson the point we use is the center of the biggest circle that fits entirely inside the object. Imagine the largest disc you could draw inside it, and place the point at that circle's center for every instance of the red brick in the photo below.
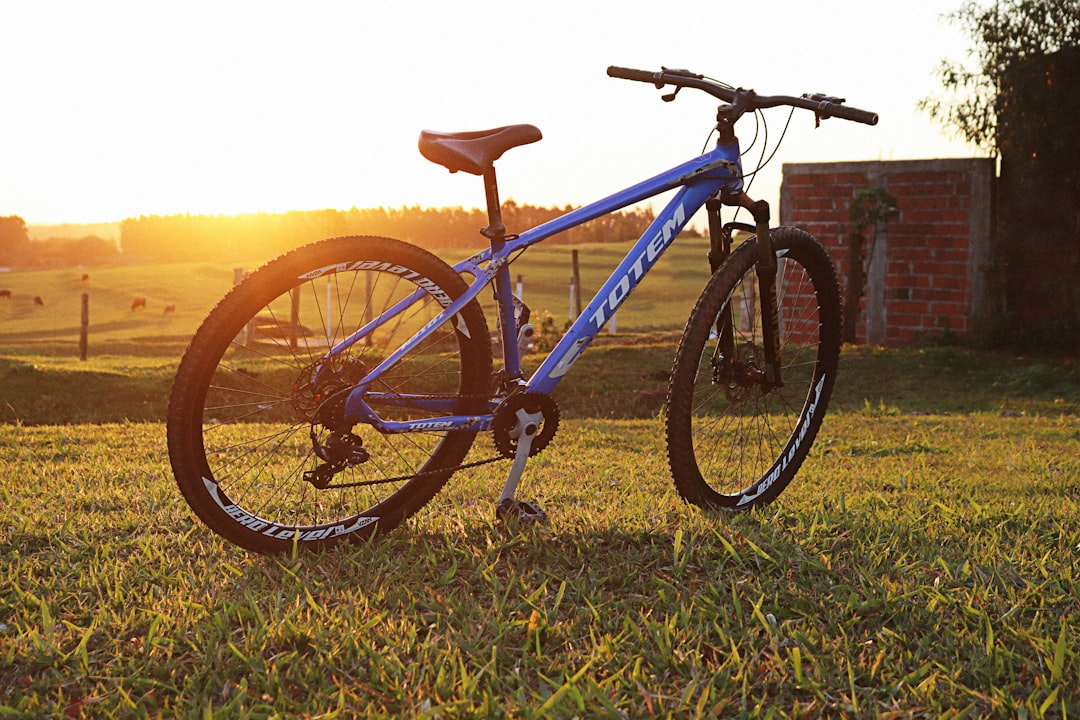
(948, 255)
(925, 202)
(952, 282)
(955, 322)
(908, 307)
(906, 178)
(902, 336)
(946, 308)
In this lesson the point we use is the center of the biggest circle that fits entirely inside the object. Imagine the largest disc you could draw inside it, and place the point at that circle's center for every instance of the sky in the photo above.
(120, 108)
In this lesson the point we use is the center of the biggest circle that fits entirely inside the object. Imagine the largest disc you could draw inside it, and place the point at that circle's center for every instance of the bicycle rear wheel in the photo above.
(733, 441)
(256, 402)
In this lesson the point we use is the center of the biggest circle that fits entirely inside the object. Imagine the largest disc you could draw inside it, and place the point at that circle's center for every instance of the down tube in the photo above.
(646, 251)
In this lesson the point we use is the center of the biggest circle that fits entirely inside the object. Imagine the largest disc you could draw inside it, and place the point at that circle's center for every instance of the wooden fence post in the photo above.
(84, 327)
(294, 317)
(247, 335)
(576, 284)
(573, 296)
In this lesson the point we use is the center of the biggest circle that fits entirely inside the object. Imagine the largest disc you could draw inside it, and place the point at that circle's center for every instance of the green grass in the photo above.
(923, 564)
(920, 566)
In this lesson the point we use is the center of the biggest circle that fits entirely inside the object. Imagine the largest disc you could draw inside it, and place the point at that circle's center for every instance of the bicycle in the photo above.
(304, 416)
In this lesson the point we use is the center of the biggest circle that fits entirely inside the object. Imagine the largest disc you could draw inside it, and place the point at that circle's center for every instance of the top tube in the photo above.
(720, 168)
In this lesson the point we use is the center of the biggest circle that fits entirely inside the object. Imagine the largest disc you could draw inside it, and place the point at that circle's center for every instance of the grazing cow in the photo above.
(38, 300)
(139, 302)
(85, 278)
(5, 294)
(170, 308)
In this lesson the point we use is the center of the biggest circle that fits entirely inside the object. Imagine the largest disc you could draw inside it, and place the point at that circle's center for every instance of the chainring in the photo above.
(506, 419)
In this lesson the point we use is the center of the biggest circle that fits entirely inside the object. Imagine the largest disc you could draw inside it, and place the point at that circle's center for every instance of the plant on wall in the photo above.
(870, 210)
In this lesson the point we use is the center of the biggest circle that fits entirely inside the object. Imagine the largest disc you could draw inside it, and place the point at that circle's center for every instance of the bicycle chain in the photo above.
(425, 473)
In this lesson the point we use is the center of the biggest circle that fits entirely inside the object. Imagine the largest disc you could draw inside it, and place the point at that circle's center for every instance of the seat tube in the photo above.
(495, 232)
(504, 298)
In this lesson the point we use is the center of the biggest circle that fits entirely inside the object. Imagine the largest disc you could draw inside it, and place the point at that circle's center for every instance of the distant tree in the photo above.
(1003, 33)
(1020, 102)
(14, 240)
(71, 252)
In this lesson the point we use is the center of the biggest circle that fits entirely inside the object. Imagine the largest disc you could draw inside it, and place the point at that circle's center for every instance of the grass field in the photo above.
(925, 563)
(662, 301)
(918, 567)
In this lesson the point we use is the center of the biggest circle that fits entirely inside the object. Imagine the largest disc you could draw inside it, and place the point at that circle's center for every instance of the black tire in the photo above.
(244, 410)
(732, 444)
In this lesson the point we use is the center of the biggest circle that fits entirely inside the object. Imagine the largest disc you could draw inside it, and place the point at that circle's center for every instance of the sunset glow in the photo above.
(120, 108)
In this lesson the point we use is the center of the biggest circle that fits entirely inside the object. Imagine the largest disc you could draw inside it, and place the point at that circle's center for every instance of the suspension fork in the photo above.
(719, 250)
(766, 270)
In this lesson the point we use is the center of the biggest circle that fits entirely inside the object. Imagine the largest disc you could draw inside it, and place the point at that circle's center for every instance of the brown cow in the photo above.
(170, 308)
(5, 294)
(139, 302)
(38, 300)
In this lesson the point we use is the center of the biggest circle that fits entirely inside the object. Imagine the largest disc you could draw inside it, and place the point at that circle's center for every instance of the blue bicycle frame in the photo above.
(697, 180)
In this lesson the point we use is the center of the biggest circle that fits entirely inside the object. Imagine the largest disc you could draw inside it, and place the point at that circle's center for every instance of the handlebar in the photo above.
(822, 105)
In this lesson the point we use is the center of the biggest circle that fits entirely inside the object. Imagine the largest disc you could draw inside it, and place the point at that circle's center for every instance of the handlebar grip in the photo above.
(631, 74)
(830, 109)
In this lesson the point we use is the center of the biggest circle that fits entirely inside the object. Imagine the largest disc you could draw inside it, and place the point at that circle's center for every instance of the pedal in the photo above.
(511, 510)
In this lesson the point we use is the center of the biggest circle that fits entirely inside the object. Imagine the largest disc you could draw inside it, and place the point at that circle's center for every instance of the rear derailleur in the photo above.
(319, 394)
(341, 450)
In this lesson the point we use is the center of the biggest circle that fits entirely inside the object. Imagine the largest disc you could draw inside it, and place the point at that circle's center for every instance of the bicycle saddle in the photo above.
(474, 152)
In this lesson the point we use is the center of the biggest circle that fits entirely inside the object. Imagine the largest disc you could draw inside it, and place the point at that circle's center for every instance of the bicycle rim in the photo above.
(734, 442)
(256, 401)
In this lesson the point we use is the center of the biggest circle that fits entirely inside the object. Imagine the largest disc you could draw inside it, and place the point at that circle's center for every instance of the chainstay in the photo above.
(401, 478)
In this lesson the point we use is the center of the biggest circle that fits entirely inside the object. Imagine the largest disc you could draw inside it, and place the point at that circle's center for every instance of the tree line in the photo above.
(19, 251)
(178, 238)
(201, 237)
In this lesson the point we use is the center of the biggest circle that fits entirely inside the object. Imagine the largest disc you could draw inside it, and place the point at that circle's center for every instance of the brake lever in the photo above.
(671, 95)
(822, 97)
(682, 72)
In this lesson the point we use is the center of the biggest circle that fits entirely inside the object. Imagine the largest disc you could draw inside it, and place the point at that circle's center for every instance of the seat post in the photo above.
(504, 294)
(496, 230)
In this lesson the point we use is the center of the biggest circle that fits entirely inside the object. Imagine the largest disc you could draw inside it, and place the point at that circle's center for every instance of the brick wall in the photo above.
(930, 269)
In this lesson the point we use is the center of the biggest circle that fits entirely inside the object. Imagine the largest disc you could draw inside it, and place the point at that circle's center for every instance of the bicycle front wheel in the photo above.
(734, 441)
(257, 434)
